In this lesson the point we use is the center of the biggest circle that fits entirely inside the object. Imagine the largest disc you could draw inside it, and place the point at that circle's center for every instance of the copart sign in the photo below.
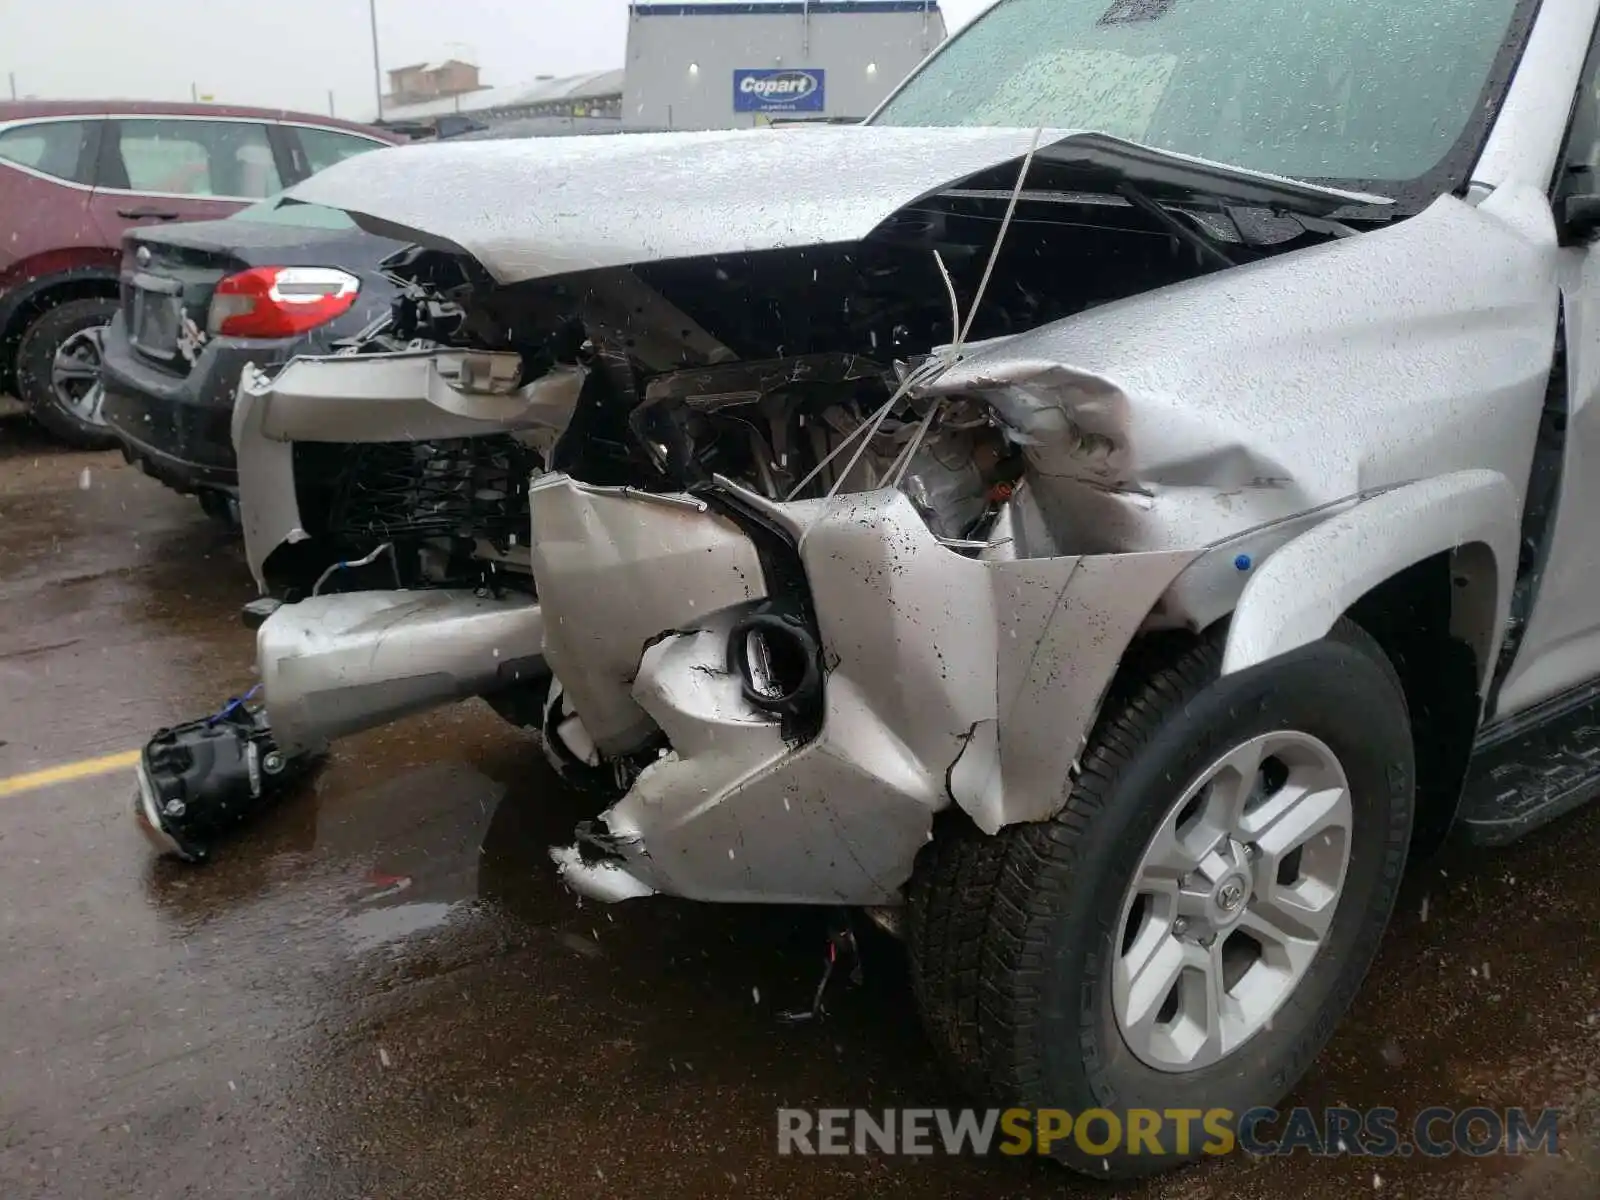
(781, 90)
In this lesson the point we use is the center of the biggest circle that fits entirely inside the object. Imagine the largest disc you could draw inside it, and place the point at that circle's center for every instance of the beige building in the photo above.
(431, 81)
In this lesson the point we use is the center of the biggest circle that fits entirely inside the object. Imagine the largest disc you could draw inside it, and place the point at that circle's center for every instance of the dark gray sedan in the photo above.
(201, 300)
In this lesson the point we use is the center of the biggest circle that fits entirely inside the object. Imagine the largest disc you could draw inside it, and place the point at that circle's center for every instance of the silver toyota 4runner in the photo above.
(1102, 515)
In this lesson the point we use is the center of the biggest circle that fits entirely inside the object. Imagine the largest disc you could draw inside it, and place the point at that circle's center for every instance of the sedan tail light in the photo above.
(273, 302)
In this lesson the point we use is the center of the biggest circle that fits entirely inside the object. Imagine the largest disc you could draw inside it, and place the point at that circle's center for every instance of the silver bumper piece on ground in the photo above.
(335, 665)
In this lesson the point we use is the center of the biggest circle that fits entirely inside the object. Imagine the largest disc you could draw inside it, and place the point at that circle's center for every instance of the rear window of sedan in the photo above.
(280, 211)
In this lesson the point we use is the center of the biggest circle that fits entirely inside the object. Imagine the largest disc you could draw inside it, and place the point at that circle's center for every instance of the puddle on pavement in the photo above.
(374, 927)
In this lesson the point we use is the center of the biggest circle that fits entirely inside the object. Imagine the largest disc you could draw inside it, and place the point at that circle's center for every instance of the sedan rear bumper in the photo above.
(177, 428)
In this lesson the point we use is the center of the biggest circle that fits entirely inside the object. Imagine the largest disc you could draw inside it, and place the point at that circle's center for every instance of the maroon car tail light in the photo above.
(272, 302)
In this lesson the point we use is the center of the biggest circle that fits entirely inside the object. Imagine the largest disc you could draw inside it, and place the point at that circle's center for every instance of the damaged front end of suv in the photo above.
(1115, 560)
(854, 538)
(826, 535)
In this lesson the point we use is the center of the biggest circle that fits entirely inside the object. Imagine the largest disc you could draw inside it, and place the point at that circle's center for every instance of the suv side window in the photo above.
(324, 147)
(54, 148)
(231, 159)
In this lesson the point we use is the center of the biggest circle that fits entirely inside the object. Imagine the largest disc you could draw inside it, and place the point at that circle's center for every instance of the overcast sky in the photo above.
(291, 53)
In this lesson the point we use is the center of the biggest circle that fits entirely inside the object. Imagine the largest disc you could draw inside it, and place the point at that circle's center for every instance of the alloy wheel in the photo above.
(1231, 900)
(75, 375)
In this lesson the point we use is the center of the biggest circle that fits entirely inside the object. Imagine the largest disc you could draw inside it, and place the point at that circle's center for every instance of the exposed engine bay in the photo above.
(797, 374)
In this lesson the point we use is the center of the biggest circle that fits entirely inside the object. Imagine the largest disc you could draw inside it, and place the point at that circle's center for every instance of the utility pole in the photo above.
(13, 85)
(331, 113)
(377, 71)
(194, 92)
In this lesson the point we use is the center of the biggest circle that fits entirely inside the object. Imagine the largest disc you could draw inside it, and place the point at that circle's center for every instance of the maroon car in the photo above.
(76, 175)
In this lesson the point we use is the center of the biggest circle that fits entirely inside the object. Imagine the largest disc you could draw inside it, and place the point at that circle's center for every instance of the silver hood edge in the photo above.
(539, 207)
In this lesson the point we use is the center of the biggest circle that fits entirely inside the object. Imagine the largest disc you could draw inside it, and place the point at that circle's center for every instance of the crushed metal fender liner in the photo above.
(335, 665)
(772, 191)
(411, 396)
(1307, 585)
(924, 649)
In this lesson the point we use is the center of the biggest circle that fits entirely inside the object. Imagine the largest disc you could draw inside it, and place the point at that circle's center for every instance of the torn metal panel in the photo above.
(617, 569)
(910, 625)
(605, 880)
(928, 652)
(1053, 675)
(736, 813)
(415, 395)
(269, 510)
(539, 207)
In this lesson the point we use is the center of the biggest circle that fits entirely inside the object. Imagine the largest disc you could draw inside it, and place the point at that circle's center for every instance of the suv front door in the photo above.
(1559, 647)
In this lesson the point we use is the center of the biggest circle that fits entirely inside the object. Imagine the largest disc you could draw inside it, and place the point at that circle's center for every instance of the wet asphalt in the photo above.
(380, 990)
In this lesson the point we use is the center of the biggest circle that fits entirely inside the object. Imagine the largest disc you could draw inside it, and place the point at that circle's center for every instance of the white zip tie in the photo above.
(1005, 227)
(870, 426)
(903, 464)
(955, 302)
(876, 424)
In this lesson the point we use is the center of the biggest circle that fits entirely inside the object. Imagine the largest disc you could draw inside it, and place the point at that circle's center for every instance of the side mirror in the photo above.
(1579, 216)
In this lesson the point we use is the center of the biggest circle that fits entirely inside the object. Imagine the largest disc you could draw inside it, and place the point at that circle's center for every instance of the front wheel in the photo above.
(1188, 930)
(58, 371)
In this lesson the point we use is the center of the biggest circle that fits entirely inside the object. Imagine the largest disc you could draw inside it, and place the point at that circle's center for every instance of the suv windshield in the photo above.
(1339, 90)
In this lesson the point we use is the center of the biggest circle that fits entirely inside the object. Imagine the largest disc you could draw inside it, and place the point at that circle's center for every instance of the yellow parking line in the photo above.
(86, 768)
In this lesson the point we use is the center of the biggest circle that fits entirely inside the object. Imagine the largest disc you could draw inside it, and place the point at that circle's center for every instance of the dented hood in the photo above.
(537, 207)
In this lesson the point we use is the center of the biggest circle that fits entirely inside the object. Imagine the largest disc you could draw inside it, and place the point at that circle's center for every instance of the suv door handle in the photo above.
(156, 214)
